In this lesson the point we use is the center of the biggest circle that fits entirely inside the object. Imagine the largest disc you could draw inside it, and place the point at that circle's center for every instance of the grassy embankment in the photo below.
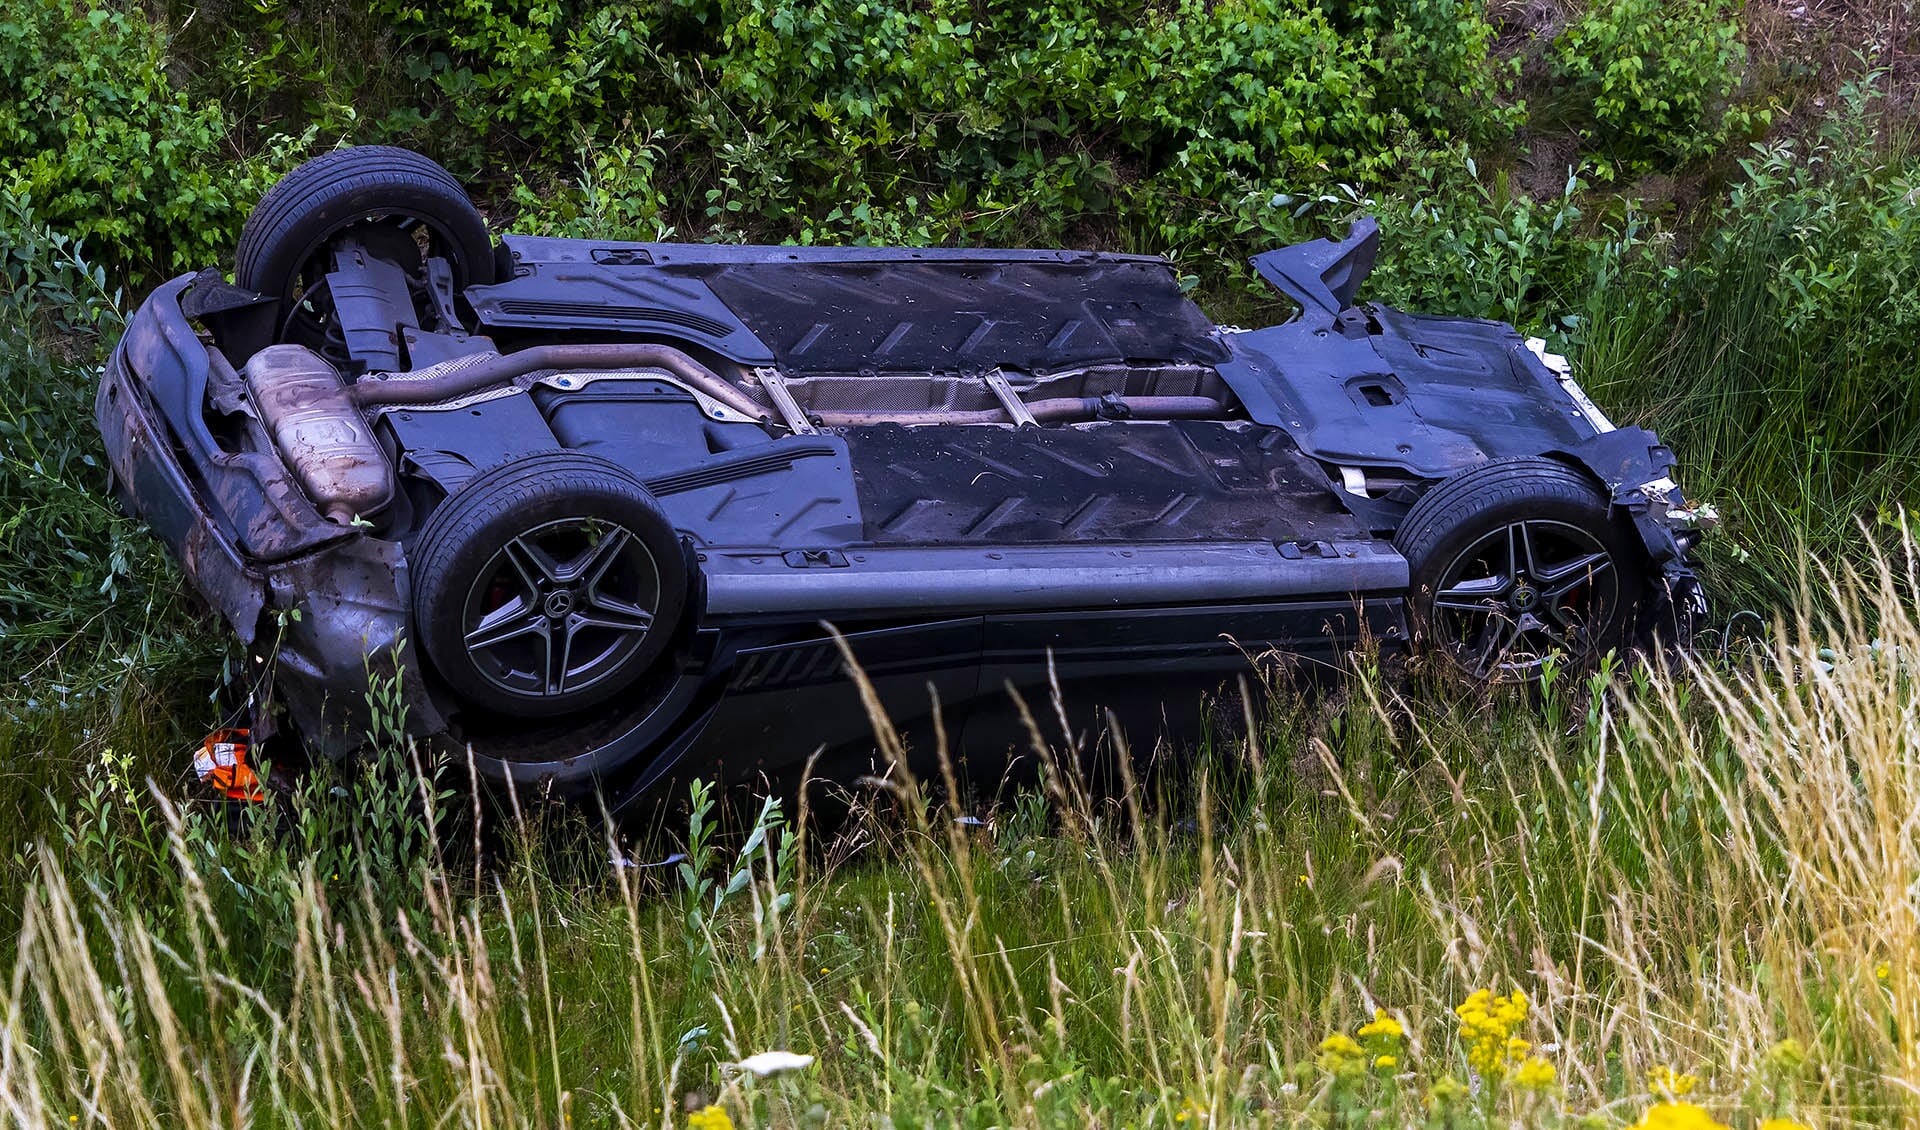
(1707, 875)
(1701, 884)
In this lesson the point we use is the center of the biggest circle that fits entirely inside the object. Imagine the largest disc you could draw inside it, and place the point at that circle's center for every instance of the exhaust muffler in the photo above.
(304, 403)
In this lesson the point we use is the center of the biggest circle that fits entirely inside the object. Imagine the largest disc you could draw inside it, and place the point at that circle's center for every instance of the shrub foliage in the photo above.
(1654, 78)
(94, 131)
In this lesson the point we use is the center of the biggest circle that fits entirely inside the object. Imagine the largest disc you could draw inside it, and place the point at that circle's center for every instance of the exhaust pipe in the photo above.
(406, 388)
(1061, 410)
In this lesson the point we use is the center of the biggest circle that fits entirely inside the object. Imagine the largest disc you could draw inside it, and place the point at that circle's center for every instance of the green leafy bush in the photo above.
(1436, 64)
(1251, 88)
(986, 122)
(1778, 354)
(613, 197)
(92, 130)
(1653, 78)
(293, 67)
(1461, 245)
(85, 595)
(541, 65)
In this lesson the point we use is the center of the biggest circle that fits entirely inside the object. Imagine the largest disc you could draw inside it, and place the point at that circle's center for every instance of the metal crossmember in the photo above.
(776, 386)
(1009, 399)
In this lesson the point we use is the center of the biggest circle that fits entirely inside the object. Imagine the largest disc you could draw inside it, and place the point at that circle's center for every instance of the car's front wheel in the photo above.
(1517, 562)
(547, 585)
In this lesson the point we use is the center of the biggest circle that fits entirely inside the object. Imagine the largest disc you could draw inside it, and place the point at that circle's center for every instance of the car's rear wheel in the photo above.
(402, 204)
(1517, 562)
(547, 585)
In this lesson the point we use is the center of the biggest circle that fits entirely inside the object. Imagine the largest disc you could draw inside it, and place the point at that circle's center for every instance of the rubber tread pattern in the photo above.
(1460, 503)
(292, 201)
(524, 483)
(1440, 511)
(343, 168)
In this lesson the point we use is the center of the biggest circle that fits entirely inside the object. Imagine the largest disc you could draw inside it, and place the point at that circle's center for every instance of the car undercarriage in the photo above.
(614, 513)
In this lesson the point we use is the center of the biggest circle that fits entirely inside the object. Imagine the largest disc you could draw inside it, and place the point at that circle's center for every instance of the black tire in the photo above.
(363, 184)
(1519, 559)
(522, 562)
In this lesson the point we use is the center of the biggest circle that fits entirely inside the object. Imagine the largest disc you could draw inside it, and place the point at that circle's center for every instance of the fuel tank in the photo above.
(324, 438)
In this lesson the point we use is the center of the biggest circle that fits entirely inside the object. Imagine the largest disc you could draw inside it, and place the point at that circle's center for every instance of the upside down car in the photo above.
(610, 512)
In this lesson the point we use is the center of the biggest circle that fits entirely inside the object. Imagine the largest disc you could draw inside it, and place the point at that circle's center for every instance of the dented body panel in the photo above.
(247, 538)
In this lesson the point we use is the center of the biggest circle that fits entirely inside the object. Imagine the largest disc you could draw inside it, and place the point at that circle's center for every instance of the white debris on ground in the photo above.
(774, 1063)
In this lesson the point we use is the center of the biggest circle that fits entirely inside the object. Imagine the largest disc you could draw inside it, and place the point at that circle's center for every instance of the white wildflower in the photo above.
(774, 1063)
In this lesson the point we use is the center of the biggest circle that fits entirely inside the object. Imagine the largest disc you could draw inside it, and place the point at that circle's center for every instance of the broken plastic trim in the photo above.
(1323, 275)
(1563, 373)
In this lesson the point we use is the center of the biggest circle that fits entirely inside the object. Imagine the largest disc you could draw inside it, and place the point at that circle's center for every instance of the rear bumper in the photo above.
(150, 483)
(319, 605)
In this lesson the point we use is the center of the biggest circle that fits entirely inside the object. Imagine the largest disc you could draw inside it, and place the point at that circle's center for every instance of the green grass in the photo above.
(1679, 873)
(1776, 356)
(1708, 871)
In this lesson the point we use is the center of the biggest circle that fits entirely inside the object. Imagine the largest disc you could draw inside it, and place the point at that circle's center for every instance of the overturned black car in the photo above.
(610, 509)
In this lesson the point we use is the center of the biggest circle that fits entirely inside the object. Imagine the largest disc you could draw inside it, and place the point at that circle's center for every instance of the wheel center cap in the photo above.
(1524, 598)
(559, 603)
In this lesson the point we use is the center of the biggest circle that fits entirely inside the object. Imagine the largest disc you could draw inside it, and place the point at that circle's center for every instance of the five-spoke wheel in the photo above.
(561, 606)
(547, 585)
(1517, 562)
(1521, 594)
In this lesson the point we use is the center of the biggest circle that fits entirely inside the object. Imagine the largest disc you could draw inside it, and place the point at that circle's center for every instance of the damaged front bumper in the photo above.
(320, 606)
(1638, 471)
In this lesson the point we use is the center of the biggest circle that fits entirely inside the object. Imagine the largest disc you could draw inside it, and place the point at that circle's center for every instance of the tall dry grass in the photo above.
(1709, 871)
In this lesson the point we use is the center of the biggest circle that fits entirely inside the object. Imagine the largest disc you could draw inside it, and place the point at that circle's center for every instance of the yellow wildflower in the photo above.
(1487, 1023)
(1446, 1096)
(1883, 971)
(1666, 1081)
(1787, 1057)
(1339, 1055)
(1534, 1074)
(712, 1118)
(1382, 1025)
(1386, 1062)
(1191, 1111)
(1678, 1116)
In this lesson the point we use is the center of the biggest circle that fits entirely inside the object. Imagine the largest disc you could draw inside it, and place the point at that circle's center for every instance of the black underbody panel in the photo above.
(910, 317)
(858, 309)
(1383, 388)
(1181, 481)
(610, 297)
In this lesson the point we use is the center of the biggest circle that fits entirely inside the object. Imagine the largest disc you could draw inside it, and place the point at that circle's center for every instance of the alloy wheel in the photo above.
(561, 607)
(1523, 593)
